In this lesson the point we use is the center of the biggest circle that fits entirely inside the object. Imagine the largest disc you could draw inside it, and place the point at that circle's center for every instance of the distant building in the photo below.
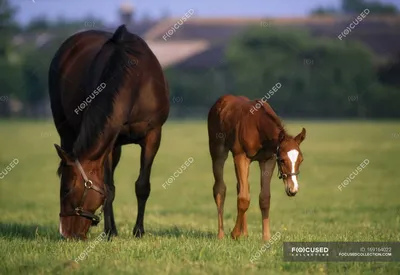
(204, 40)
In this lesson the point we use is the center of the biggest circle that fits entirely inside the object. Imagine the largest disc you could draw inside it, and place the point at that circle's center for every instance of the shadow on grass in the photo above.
(27, 231)
(182, 232)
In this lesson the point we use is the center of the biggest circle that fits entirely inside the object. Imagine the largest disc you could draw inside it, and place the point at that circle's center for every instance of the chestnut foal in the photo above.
(251, 136)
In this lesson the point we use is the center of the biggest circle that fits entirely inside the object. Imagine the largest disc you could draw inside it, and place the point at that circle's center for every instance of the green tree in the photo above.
(375, 7)
(10, 76)
(356, 7)
(319, 77)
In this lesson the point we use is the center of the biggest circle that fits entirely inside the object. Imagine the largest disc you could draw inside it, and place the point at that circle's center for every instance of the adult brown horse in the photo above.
(250, 135)
(106, 90)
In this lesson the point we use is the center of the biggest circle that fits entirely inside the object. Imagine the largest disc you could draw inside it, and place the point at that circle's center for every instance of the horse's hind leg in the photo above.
(219, 155)
(242, 164)
(109, 223)
(149, 145)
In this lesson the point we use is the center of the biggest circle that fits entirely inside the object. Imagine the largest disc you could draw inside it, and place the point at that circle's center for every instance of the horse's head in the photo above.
(289, 158)
(82, 192)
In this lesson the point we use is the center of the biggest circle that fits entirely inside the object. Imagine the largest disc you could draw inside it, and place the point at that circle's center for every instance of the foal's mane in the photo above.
(274, 117)
(111, 66)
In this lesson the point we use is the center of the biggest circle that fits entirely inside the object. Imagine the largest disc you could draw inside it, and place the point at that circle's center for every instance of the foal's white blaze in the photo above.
(293, 155)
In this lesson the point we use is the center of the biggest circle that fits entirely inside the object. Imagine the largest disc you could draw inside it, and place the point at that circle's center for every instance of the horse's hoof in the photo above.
(138, 232)
(111, 234)
(220, 236)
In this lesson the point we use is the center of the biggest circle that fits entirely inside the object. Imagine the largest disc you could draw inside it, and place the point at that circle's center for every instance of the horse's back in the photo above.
(67, 72)
(233, 116)
(225, 115)
(229, 107)
(85, 60)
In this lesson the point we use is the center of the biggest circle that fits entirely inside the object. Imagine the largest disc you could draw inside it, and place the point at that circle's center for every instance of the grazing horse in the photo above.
(106, 90)
(250, 135)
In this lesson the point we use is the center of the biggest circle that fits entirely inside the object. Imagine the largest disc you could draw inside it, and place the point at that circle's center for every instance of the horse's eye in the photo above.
(65, 191)
(282, 160)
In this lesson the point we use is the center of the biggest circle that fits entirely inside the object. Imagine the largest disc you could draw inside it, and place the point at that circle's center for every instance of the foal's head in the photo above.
(289, 158)
(82, 192)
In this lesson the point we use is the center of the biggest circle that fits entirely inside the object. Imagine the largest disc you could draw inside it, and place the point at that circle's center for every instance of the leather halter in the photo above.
(282, 175)
(79, 211)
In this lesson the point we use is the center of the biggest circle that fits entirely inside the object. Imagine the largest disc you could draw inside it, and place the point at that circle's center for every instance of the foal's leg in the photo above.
(149, 145)
(219, 155)
(244, 231)
(109, 223)
(266, 170)
(243, 200)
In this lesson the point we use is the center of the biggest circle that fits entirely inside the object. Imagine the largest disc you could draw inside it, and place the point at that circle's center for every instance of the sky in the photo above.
(106, 10)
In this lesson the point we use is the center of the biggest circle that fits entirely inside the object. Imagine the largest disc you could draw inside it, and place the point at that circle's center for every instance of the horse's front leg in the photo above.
(149, 145)
(109, 223)
(266, 171)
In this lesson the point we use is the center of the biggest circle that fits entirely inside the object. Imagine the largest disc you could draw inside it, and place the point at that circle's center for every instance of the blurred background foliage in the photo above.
(320, 77)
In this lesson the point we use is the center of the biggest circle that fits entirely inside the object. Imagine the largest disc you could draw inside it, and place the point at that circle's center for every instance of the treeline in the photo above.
(25, 55)
(319, 77)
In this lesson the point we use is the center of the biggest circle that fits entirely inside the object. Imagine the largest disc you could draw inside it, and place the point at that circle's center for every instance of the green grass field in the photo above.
(181, 220)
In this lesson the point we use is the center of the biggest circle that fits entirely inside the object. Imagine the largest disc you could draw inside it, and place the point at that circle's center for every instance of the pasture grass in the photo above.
(181, 220)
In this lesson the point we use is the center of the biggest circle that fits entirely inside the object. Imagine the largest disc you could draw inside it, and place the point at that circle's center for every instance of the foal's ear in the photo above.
(300, 137)
(64, 155)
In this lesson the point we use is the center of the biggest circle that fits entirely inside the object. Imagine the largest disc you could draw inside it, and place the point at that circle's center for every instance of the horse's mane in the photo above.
(110, 66)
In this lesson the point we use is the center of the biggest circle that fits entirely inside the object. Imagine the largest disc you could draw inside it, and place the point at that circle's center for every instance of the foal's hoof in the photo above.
(138, 232)
(235, 235)
(266, 237)
(220, 235)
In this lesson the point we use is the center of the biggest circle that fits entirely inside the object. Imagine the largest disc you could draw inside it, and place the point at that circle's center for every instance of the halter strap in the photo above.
(78, 164)
(88, 183)
(79, 211)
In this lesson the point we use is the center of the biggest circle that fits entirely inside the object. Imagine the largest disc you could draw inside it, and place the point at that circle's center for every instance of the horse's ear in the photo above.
(300, 137)
(281, 136)
(64, 155)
